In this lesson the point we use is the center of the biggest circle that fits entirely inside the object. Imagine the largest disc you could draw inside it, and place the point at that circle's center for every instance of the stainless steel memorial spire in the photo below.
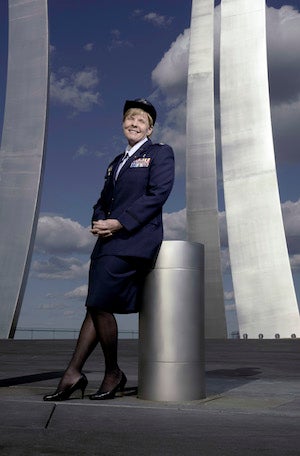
(201, 174)
(263, 286)
(22, 151)
(262, 280)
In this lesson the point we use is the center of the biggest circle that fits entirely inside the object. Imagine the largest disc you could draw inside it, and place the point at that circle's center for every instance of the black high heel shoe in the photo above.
(100, 396)
(64, 394)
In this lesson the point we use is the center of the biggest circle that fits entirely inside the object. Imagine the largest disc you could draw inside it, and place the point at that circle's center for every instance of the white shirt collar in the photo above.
(131, 150)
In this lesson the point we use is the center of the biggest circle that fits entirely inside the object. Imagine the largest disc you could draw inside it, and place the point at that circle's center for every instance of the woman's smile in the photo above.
(136, 127)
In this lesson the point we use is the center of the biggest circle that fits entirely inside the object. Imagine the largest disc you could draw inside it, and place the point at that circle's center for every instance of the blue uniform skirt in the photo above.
(115, 283)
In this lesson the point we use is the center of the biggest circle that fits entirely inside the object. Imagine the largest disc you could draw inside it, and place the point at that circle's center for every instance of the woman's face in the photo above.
(136, 126)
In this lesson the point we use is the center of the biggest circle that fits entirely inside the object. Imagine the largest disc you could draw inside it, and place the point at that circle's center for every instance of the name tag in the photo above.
(140, 163)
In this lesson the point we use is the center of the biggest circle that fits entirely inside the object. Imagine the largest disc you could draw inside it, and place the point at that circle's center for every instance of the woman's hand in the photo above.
(105, 228)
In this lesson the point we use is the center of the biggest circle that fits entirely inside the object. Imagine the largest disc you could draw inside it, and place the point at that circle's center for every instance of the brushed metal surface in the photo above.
(263, 285)
(22, 151)
(171, 325)
(201, 175)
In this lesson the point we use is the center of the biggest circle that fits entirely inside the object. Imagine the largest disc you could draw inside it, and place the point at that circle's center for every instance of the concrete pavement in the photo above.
(252, 405)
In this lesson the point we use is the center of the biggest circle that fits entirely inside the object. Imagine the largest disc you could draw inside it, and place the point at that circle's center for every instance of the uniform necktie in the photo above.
(122, 163)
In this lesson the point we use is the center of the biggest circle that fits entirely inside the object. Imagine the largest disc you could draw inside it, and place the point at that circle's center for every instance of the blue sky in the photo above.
(103, 52)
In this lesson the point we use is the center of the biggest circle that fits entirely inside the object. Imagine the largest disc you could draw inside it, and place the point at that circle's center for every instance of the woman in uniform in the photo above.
(127, 221)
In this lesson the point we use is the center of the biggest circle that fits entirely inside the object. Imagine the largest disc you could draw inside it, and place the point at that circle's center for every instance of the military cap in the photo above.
(141, 103)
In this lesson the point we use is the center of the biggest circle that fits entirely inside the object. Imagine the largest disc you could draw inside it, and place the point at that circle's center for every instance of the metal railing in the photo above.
(62, 333)
(67, 333)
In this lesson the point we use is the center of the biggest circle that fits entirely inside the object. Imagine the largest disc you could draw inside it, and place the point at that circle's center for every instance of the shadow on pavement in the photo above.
(222, 380)
(30, 378)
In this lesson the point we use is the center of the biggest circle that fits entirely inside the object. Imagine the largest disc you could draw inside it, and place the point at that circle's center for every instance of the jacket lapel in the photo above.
(115, 166)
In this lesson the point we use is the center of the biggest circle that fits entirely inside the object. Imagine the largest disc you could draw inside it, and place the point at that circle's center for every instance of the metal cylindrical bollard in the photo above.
(171, 326)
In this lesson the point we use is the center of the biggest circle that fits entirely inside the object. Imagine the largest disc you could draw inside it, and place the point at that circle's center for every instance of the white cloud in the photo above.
(225, 261)
(173, 132)
(77, 293)
(137, 12)
(153, 18)
(175, 225)
(117, 41)
(170, 78)
(75, 89)
(57, 234)
(60, 268)
(228, 295)
(295, 262)
(170, 74)
(230, 307)
(86, 79)
(82, 151)
(157, 19)
(54, 305)
(88, 47)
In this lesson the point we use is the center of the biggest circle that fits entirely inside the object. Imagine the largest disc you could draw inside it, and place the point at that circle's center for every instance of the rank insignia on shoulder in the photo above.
(109, 170)
(141, 163)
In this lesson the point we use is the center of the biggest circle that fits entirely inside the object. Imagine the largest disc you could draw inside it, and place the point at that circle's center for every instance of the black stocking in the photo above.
(86, 343)
(107, 333)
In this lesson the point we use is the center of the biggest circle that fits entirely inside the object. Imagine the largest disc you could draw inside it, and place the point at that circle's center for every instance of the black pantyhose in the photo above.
(98, 326)
(107, 333)
(86, 343)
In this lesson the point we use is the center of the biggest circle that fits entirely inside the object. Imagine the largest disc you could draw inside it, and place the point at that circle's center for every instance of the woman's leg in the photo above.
(107, 333)
(86, 343)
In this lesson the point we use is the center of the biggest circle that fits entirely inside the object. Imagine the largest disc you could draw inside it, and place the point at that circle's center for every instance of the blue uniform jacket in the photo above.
(136, 199)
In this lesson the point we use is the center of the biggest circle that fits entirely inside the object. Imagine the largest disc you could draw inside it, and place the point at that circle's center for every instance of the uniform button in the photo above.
(109, 213)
